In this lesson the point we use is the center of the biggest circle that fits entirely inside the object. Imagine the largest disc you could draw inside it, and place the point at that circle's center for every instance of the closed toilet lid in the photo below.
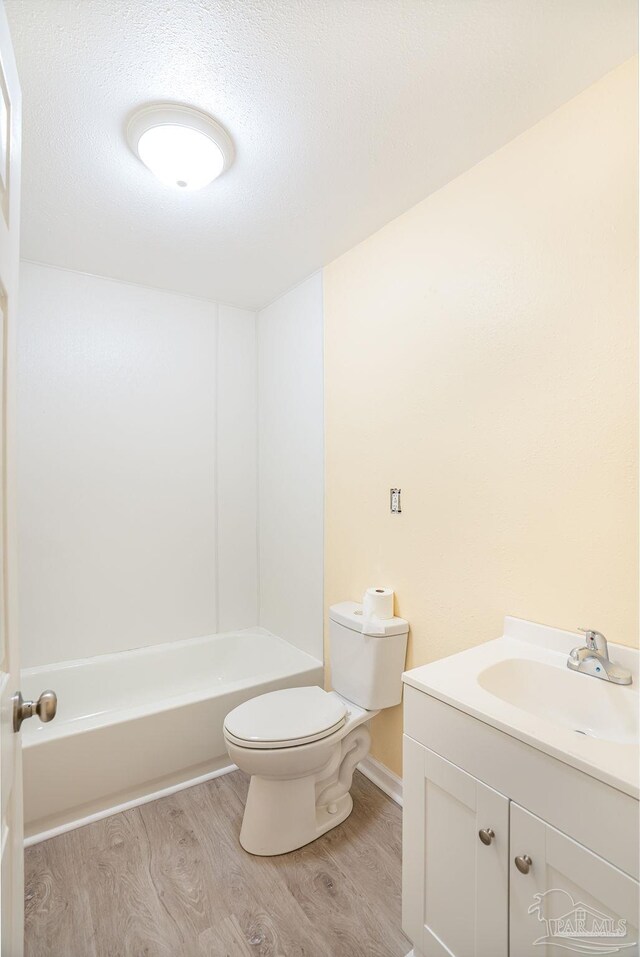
(284, 719)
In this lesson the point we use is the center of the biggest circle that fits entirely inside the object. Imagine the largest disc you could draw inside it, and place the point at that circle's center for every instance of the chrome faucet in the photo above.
(593, 659)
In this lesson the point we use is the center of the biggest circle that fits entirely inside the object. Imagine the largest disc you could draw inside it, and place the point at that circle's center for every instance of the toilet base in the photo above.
(282, 814)
(268, 836)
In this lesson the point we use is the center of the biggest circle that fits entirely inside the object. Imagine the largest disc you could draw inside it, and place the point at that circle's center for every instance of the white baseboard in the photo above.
(383, 778)
(109, 811)
(377, 773)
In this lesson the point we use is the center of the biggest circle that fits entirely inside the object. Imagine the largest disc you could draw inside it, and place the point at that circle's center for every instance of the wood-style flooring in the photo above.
(169, 879)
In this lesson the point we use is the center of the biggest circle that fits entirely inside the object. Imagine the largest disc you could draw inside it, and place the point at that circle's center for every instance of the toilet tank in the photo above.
(366, 669)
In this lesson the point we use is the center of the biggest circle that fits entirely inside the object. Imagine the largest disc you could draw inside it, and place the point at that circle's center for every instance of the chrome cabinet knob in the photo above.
(523, 863)
(486, 835)
(45, 707)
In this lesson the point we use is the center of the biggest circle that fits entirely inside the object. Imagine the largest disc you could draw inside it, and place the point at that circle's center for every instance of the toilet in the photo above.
(301, 745)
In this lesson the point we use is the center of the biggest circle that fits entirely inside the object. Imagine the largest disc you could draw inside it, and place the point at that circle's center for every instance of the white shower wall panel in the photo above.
(291, 465)
(126, 455)
(237, 469)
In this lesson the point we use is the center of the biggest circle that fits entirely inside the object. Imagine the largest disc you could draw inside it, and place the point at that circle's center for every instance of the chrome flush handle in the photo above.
(45, 707)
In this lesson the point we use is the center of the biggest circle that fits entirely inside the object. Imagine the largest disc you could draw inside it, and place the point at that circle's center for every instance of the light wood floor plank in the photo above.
(225, 940)
(169, 879)
(57, 910)
(130, 916)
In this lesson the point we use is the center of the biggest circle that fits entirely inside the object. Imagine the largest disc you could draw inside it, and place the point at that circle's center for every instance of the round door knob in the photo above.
(45, 707)
(523, 863)
(486, 835)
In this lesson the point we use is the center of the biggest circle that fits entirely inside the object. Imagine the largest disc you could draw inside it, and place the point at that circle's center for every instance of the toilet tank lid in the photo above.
(349, 614)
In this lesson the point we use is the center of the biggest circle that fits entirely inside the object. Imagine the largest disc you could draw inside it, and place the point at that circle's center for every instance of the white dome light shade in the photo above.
(183, 147)
(180, 156)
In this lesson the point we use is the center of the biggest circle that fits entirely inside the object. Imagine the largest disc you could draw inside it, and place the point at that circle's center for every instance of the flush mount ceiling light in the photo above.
(182, 146)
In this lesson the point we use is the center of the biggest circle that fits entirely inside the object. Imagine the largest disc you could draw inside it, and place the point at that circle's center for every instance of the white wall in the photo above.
(137, 466)
(290, 402)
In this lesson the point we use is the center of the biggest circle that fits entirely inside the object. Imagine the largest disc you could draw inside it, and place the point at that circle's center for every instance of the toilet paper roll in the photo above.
(378, 602)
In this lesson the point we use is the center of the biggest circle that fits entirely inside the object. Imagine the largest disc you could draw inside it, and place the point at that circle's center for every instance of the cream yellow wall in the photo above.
(481, 353)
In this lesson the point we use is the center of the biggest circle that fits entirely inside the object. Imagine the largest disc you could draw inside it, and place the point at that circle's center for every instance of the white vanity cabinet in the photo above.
(504, 847)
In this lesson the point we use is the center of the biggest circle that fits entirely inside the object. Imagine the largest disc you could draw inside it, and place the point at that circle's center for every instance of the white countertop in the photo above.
(520, 684)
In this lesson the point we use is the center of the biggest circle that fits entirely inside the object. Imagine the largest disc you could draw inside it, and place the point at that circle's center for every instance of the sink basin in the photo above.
(578, 702)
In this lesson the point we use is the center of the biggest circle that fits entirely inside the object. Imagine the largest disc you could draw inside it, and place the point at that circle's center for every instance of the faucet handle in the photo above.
(595, 640)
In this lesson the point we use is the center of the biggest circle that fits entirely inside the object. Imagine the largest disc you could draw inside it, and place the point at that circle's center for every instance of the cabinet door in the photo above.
(454, 886)
(569, 899)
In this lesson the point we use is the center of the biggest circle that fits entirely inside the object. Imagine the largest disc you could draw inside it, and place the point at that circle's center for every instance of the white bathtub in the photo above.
(133, 725)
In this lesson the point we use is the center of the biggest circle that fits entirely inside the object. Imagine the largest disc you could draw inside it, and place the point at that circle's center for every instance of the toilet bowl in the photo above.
(302, 745)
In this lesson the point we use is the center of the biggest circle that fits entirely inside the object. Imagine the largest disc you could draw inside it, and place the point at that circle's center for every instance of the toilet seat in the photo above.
(286, 718)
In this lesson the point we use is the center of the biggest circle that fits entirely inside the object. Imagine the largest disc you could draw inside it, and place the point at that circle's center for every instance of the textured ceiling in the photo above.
(344, 113)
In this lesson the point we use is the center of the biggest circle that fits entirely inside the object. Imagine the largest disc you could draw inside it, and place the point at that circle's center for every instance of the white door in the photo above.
(455, 859)
(11, 873)
(564, 898)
